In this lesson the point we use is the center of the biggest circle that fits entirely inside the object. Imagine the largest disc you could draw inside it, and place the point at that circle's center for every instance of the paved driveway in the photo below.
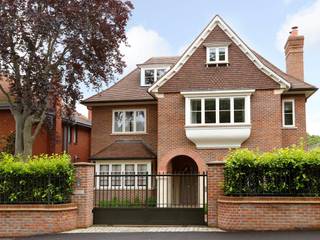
(306, 235)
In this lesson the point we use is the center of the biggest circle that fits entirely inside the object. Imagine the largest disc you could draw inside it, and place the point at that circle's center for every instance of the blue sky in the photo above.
(167, 27)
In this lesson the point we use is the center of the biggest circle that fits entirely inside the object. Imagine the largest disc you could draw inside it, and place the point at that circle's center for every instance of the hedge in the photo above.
(283, 172)
(40, 179)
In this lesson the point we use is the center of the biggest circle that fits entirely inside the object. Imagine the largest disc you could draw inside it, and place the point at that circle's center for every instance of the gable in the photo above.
(235, 40)
(196, 75)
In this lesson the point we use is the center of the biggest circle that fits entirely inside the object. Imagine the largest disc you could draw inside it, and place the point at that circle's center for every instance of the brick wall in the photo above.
(294, 135)
(266, 213)
(102, 127)
(80, 151)
(24, 220)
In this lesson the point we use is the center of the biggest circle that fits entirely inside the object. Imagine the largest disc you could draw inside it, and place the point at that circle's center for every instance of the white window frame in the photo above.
(155, 69)
(122, 163)
(293, 113)
(217, 61)
(134, 119)
(246, 94)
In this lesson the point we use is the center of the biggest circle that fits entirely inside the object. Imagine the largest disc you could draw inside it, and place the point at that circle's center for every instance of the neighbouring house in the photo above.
(177, 114)
(60, 134)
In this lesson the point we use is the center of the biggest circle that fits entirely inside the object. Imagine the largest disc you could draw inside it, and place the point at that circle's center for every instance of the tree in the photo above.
(313, 140)
(48, 48)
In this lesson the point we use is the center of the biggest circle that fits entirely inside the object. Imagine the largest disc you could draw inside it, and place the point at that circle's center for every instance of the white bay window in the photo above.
(218, 119)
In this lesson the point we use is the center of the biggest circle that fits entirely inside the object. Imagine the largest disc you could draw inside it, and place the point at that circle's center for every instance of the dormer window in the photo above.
(151, 75)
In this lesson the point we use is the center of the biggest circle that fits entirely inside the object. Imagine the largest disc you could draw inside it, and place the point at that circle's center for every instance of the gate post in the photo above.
(215, 189)
(83, 193)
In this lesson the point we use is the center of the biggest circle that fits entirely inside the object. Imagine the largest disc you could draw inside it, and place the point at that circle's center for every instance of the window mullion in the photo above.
(232, 110)
(134, 121)
(218, 110)
(202, 111)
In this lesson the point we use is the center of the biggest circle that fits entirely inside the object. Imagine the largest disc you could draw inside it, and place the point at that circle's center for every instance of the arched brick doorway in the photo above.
(185, 181)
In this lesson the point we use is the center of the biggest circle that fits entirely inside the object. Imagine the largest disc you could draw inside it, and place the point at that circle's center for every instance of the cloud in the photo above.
(307, 19)
(143, 44)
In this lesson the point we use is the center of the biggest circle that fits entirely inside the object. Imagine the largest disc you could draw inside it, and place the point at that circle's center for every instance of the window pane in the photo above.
(140, 121)
(104, 179)
(129, 123)
(116, 170)
(222, 54)
(288, 119)
(210, 113)
(149, 76)
(225, 116)
(195, 110)
(142, 170)
(212, 54)
(224, 104)
(160, 73)
(288, 108)
(118, 121)
(129, 170)
(195, 104)
(239, 104)
(239, 116)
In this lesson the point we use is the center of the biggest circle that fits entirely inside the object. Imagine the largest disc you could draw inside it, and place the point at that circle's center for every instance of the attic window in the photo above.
(151, 75)
(217, 55)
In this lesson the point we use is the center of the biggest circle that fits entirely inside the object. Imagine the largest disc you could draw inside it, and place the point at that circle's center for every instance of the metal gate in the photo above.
(150, 199)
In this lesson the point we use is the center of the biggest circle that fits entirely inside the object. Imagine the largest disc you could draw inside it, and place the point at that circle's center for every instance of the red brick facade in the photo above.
(268, 213)
(102, 135)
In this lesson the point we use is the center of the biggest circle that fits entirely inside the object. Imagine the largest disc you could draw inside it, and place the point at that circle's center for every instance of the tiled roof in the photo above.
(125, 149)
(295, 83)
(81, 120)
(128, 88)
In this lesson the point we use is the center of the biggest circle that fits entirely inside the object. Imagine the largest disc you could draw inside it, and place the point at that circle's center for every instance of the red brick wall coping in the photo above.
(270, 200)
(37, 207)
(268, 213)
(83, 164)
(32, 219)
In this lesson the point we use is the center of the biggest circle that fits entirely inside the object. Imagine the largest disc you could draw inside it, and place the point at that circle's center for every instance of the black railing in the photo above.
(124, 190)
(31, 189)
(280, 183)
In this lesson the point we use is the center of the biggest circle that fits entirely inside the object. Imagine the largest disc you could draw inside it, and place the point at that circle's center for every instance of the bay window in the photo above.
(129, 121)
(218, 110)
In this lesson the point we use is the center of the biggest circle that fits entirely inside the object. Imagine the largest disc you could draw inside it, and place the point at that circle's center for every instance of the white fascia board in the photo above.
(244, 92)
(217, 20)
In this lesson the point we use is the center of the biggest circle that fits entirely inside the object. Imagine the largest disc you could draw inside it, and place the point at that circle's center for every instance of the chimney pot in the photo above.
(294, 31)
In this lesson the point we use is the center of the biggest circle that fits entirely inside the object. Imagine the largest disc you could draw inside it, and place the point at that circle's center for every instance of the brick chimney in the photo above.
(294, 54)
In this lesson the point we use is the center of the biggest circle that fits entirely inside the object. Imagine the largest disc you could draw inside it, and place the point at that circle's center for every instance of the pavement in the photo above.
(173, 232)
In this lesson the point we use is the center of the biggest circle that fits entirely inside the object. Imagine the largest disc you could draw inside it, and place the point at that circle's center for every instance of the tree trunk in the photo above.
(19, 133)
(27, 137)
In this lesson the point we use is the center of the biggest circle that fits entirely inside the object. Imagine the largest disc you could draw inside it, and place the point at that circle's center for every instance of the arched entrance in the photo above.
(185, 181)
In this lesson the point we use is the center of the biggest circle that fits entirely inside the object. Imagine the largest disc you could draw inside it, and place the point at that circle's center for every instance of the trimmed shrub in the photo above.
(41, 179)
(282, 172)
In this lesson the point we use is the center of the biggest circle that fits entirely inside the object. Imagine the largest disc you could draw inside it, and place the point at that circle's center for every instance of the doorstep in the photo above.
(126, 229)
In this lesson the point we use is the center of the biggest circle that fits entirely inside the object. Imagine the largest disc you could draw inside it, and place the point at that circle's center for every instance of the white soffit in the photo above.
(217, 21)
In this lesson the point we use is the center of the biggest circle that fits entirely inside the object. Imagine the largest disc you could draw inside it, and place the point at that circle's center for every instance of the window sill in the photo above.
(289, 128)
(133, 133)
(218, 64)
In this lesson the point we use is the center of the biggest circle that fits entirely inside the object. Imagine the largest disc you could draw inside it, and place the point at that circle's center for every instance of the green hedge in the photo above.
(288, 171)
(41, 179)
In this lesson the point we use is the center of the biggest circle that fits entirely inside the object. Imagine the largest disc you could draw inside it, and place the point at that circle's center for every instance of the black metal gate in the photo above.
(150, 199)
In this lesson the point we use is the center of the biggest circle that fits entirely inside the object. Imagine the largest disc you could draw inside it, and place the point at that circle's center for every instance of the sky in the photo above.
(165, 28)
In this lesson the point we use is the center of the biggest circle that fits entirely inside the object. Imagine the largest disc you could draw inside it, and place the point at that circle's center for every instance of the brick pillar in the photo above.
(83, 193)
(215, 189)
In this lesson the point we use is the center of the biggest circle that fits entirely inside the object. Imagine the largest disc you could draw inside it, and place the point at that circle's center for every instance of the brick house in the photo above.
(178, 114)
(62, 134)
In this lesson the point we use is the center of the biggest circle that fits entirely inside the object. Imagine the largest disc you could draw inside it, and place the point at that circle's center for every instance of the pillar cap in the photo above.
(83, 164)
